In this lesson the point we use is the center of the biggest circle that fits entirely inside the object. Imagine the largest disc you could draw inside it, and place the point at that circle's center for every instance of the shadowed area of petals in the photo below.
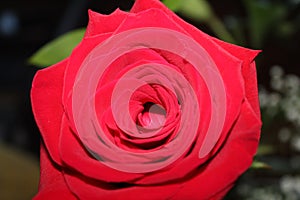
(52, 182)
(76, 157)
(87, 189)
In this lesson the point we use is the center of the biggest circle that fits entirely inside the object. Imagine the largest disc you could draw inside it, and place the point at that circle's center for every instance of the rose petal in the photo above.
(234, 158)
(106, 85)
(128, 61)
(100, 24)
(249, 73)
(141, 5)
(46, 99)
(248, 70)
(75, 60)
(77, 158)
(87, 189)
(52, 183)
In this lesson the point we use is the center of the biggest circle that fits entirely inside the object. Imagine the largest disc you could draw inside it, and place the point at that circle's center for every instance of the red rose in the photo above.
(146, 107)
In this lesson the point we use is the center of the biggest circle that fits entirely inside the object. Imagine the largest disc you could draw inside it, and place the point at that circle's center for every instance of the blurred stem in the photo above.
(219, 29)
(260, 165)
(265, 149)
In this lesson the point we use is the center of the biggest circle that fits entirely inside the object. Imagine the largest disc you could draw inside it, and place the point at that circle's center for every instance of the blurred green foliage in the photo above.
(264, 18)
(57, 50)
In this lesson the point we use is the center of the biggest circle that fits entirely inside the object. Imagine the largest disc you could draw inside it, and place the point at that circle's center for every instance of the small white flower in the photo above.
(287, 184)
(296, 143)
(277, 83)
(276, 71)
(274, 99)
(292, 83)
(265, 194)
(263, 98)
(290, 186)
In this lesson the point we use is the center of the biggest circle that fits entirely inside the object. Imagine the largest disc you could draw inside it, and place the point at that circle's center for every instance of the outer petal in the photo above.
(251, 89)
(233, 159)
(248, 71)
(75, 60)
(99, 24)
(141, 5)
(52, 183)
(85, 189)
(46, 99)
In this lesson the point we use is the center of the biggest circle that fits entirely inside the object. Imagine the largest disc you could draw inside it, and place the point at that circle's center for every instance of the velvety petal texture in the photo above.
(146, 107)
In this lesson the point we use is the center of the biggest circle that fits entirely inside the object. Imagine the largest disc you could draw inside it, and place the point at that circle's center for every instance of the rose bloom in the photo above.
(146, 107)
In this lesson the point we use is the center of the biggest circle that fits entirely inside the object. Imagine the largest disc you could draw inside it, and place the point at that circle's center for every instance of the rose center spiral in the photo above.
(153, 116)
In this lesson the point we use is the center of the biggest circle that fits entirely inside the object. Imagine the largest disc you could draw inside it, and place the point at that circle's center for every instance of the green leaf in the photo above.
(260, 165)
(57, 50)
(174, 5)
(199, 10)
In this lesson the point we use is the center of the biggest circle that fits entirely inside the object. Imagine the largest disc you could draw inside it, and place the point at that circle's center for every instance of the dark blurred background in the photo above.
(25, 26)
